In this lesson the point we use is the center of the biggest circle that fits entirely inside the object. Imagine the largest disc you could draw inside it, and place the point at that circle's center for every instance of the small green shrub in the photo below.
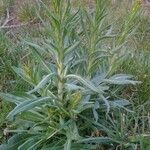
(73, 90)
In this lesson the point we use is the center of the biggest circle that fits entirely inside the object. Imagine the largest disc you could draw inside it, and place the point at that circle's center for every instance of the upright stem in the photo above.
(60, 69)
(60, 81)
(90, 59)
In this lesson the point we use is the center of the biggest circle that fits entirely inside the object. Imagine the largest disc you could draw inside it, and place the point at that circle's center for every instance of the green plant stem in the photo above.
(60, 81)
(60, 69)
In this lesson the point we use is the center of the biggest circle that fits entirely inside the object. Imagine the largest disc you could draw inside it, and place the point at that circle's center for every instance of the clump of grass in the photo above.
(4, 110)
(2, 8)
(138, 65)
(26, 12)
(5, 76)
(137, 49)
(4, 4)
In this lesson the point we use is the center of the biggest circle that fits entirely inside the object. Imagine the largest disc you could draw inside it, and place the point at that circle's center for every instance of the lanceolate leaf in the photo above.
(27, 144)
(86, 83)
(121, 104)
(11, 98)
(42, 83)
(95, 114)
(121, 79)
(39, 56)
(73, 87)
(70, 48)
(27, 105)
(14, 142)
(20, 72)
(67, 145)
(83, 107)
(98, 140)
(36, 144)
(51, 49)
(106, 102)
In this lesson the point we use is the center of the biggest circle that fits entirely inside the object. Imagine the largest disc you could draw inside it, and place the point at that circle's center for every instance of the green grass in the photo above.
(138, 49)
(4, 4)
(26, 12)
(4, 109)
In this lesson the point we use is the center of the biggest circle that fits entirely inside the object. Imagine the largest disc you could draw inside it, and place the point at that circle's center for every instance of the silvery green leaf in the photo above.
(121, 76)
(27, 105)
(67, 145)
(28, 143)
(79, 61)
(42, 83)
(106, 102)
(84, 106)
(98, 78)
(14, 142)
(86, 99)
(96, 105)
(20, 72)
(72, 47)
(121, 79)
(103, 87)
(85, 82)
(12, 98)
(98, 140)
(51, 49)
(35, 49)
(122, 102)
(73, 87)
(109, 31)
(95, 114)
(68, 59)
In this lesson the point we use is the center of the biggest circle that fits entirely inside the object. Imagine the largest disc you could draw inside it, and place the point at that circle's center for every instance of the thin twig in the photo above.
(7, 18)
(13, 26)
